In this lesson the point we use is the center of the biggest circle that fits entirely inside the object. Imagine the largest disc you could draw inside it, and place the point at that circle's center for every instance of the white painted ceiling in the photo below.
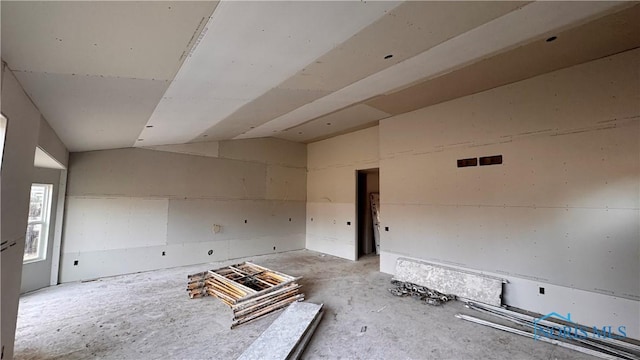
(121, 74)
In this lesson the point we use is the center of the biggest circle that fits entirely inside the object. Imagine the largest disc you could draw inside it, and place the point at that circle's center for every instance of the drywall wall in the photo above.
(133, 210)
(37, 275)
(17, 173)
(331, 190)
(49, 142)
(561, 212)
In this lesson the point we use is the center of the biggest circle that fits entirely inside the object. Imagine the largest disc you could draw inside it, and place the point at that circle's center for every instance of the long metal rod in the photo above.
(611, 341)
(585, 341)
(530, 335)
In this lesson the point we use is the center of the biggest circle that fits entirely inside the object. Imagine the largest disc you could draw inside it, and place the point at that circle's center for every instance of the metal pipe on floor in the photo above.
(527, 334)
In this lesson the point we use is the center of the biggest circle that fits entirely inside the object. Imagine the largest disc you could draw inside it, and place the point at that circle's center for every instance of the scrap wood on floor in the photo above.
(251, 290)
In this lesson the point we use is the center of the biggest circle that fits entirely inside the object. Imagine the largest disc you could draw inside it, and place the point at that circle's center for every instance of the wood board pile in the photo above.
(250, 290)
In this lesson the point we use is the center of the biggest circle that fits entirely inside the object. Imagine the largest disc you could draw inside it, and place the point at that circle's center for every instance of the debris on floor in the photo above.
(250, 290)
(567, 335)
(422, 293)
(448, 280)
(288, 335)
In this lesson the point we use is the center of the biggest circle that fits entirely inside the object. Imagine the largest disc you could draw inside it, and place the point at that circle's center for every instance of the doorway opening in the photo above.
(368, 211)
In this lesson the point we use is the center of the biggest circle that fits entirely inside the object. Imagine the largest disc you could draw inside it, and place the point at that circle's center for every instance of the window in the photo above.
(35, 247)
(3, 130)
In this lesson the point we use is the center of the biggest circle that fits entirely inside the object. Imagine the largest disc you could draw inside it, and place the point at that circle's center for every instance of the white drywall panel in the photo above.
(148, 173)
(146, 203)
(50, 143)
(332, 185)
(247, 51)
(57, 235)
(259, 245)
(561, 212)
(352, 117)
(286, 183)
(328, 228)
(192, 220)
(405, 31)
(271, 104)
(587, 308)
(43, 160)
(356, 149)
(331, 190)
(149, 41)
(21, 139)
(98, 224)
(589, 249)
(105, 112)
(529, 23)
(37, 275)
(268, 150)
(539, 171)
(97, 264)
(209, 148)
(595, 94)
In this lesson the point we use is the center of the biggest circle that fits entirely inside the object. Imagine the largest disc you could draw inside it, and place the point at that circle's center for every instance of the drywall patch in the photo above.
(448, 280)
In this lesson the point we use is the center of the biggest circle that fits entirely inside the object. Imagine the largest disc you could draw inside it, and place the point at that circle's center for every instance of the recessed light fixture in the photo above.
(328, 123)
(553, 38)
(388, 56)
(149, 126)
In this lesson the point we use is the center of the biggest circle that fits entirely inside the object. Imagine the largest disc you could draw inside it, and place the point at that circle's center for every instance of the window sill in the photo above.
(31, 261)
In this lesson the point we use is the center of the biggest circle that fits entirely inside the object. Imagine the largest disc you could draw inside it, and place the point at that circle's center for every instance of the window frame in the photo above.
(4, 123)
(45, 223)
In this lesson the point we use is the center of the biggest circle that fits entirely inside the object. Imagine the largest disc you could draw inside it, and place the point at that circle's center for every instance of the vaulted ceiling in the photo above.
(119, 74)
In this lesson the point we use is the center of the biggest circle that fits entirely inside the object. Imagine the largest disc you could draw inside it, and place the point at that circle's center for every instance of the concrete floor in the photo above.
(149, 316)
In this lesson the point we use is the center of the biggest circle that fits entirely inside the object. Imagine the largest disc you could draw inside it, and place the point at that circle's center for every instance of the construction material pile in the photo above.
(422, 293)
(558, 330)
(250, 290)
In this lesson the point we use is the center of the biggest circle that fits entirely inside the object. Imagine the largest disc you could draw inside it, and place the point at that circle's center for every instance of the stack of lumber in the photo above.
(250, 290)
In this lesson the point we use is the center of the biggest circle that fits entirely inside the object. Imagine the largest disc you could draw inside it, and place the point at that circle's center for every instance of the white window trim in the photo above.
(46, 222)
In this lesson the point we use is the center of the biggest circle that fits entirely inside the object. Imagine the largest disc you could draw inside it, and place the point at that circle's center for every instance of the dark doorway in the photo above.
(368, 183)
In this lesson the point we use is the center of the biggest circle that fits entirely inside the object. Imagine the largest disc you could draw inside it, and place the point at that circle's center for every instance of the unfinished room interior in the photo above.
(325, 179)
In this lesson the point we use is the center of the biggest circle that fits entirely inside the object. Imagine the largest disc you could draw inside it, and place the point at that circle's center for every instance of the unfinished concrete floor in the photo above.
(149, 316)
